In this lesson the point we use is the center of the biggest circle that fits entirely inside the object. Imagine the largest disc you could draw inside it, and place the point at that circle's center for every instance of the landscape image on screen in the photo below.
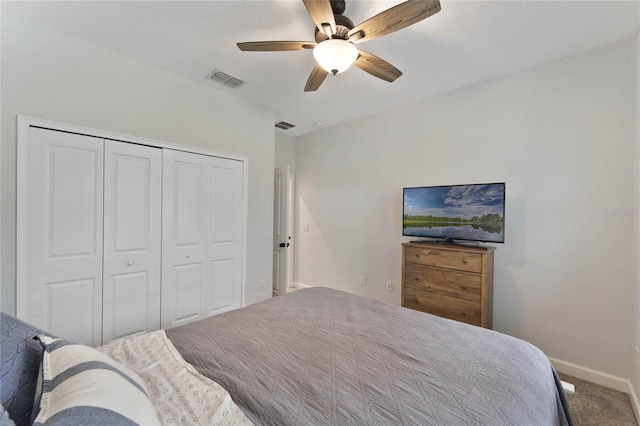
(464, 212)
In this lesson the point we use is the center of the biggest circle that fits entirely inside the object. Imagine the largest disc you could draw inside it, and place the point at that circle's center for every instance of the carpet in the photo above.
(594, 405)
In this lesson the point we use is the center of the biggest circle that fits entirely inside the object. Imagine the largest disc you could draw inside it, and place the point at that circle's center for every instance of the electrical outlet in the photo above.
(389, 286)
(363, 280)
(261, 284)
(305, 227)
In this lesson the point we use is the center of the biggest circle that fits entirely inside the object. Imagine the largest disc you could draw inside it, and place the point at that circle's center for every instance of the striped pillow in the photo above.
(79, 385)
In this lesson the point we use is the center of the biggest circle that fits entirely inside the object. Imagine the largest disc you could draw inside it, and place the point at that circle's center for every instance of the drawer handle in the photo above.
(464, 287)
(129, 263)
(463, 314)
(464, 261)
(188, 256)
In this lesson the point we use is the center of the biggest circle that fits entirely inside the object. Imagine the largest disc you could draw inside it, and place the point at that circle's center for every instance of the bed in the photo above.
(320, 356)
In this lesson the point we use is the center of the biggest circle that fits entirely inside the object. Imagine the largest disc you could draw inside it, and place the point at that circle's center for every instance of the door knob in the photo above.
(282, 245)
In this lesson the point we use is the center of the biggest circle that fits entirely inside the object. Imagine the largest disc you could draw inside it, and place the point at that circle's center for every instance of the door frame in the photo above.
(291, 223)
(290, 239)
(24, 123)
(281, 227)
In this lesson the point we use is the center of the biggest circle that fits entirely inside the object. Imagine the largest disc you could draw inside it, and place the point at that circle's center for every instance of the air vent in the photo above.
(226, 79)
(284, 125)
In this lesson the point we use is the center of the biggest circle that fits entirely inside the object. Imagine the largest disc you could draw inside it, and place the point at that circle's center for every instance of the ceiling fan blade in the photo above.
(275, 46)
(377, 67)
(322, 15)
(394, 19)
(318, 74)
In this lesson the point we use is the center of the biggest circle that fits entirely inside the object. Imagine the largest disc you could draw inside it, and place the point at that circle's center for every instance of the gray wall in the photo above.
(285, 151)
(561, 135)
(55, 77)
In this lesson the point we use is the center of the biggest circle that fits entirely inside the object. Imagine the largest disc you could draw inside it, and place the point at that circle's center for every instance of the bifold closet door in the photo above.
(202, 236)
(132, 239)
(62, 287)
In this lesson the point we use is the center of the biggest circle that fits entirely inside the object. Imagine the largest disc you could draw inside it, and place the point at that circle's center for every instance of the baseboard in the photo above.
(299, 285)
(600, 378)
(635, 403)
(590, 375)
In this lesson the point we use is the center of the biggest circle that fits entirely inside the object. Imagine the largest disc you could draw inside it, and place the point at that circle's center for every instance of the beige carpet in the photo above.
(594, 405)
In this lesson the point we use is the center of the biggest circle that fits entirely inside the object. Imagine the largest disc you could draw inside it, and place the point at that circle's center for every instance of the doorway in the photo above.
(283, 190)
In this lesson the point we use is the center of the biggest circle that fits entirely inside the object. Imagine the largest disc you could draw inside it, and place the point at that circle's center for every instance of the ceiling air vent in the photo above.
(226, 79)
(284, 125)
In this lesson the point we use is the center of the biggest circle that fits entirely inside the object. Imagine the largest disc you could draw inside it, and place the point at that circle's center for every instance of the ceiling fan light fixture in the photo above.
(335, 55)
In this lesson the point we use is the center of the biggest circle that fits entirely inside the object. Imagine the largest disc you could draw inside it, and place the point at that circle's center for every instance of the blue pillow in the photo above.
(20, 357)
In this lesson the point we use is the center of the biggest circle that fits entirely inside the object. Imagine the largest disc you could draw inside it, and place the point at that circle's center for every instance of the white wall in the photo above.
(635, 364)
(561, 135)
(285, 151)
(55, 77)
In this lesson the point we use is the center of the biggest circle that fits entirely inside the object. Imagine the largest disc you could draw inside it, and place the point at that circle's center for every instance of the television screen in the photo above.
(456, 212)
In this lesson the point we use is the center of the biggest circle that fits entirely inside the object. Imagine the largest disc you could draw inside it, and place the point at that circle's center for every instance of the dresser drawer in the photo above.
(462, 285)
(442, 306)
(463, 261)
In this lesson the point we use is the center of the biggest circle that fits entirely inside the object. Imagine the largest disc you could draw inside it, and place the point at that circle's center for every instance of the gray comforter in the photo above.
(324, 357)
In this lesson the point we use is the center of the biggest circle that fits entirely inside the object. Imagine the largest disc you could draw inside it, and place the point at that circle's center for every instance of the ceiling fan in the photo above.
(335, 38)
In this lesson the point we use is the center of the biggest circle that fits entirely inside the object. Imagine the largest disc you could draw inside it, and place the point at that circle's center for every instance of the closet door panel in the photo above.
(185, 201)
(224, 242)
(129, 305)
(189, 222)
(222, 294)
(188, 291)
(222, 190)
(202, 236)
(132, 242)
(71, 308)
(63, 289)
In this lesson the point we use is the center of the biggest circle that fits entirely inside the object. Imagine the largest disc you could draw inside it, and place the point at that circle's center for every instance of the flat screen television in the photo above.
(456, 212)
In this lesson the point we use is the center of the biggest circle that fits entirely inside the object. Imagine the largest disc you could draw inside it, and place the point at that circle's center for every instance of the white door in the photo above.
(223, 288)
(202, 236)
(62, 292)
(132, 239)
(281, 236)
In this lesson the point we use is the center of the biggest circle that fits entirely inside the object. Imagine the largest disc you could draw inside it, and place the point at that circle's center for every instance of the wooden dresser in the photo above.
(448, 280)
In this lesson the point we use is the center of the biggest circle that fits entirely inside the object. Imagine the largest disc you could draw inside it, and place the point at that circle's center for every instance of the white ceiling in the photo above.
(467, 42)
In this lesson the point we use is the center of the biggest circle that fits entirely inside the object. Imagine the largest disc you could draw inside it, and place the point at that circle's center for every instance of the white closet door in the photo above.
(223, 289)
(202, 236)
(63, 289)
(132, 239)
(184, 230)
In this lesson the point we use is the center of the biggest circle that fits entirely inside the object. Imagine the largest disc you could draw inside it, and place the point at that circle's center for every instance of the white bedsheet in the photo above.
(179, 393)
